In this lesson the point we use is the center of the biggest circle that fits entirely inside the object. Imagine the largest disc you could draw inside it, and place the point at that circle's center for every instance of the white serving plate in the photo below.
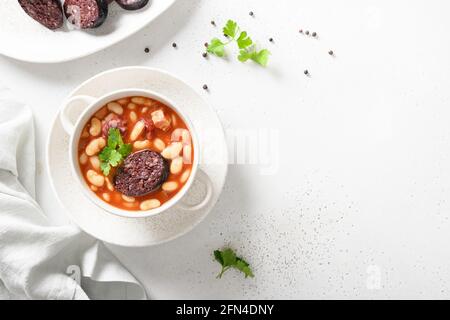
(23, 38)
(138, 232)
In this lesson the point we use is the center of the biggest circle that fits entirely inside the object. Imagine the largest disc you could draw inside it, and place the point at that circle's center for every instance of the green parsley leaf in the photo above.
(244, 41)
(216, 47)
(261, 57)
(105, 167)
(244, 55)
(244, 267)
(114, 138)
(105, 154)
(230, 29)
(218, 256)
(228, 259)
(125, 150)
(247, 50)
(114, 153)
(115, 158)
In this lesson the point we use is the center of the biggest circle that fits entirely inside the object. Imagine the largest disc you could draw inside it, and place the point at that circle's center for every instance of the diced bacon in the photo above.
(149, 127)
(160, 121)
(114, 122)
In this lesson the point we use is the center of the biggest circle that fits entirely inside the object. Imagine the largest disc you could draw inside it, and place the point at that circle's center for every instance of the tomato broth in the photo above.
(163, 132)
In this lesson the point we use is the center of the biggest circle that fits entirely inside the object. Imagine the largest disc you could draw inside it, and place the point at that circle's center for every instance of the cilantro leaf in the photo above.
(244, 41)
(261, 57)
(115, 158)
(244, 55)
(244, 267)
(105, 167)
(247, 49)
(105, 154)
(216, 47)
(218, 256)
(230, 29)
(114, 153)
(228, 259)
(114, 138)
(125, 150)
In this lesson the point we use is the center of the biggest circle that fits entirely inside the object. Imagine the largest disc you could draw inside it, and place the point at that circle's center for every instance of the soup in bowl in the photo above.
(133, 152)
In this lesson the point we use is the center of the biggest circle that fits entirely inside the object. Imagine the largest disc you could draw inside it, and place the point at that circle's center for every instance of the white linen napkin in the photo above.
(38, 260)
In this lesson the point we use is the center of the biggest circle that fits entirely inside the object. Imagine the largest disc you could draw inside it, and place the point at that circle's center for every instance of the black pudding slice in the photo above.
(141, 173)
(132, 4)
(86, 14)
(46, 12)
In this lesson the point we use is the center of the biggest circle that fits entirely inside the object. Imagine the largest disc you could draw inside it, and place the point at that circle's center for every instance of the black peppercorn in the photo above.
(206, 44)
(174, 45)
(251, 13)
(307, 32)
(271, 39)
(331, 52)
(301, 31)
(205, 87)
(146, 50)
(213, 22)
(306, 72)
(314, 34)
(204, 54)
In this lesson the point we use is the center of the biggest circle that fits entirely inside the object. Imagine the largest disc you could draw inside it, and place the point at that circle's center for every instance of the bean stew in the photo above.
(135, 153)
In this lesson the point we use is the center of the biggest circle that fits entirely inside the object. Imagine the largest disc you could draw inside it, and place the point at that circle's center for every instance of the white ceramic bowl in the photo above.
(77, 111)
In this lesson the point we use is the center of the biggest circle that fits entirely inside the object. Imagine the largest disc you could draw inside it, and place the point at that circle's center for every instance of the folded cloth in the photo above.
(38, 260)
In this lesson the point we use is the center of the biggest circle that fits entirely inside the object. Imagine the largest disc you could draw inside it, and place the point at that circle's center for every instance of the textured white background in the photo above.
(364, 172)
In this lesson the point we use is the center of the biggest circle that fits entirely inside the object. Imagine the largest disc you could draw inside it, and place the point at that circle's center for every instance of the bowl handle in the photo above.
(204, 178)
(72, 109)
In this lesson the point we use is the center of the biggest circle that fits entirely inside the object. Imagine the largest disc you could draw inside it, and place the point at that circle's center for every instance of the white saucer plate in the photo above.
(138, 232)
(23, 38)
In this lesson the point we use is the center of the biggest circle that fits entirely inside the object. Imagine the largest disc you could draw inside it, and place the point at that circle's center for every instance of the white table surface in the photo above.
(359, 205)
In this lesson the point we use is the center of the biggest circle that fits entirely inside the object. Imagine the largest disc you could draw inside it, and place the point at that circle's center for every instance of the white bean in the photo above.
(128, 199)
(106, 197)
(150, 204)
(83, 158)
(172, 151)
(96, 127)
(95, 178)
(137, 130)
(187, 154)
(109, 185)
(123, 101)
(130, 204)
(94, 188)
(185, 176)
(144, 144)
(133, 116)
(150, 102)
(109, 117)
(170, 186)
(138, 100)
(95, 162)
(182, 135)
(115, 107)
(131, 106)
(159, 144)
(95, 146)
(144, 110)
(177, 165)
